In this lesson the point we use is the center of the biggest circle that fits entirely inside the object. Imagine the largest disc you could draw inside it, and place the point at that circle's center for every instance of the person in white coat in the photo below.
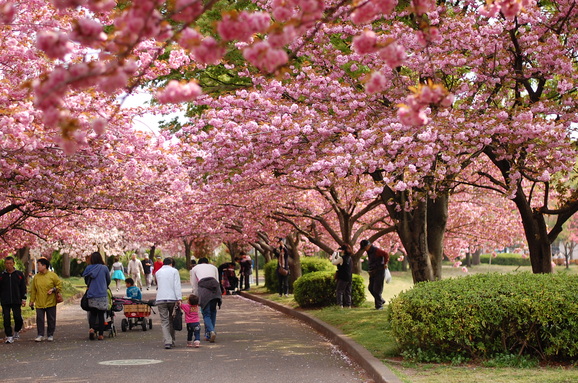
(169, 297)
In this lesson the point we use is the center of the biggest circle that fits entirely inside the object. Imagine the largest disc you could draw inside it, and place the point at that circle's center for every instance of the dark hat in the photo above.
(363, 244)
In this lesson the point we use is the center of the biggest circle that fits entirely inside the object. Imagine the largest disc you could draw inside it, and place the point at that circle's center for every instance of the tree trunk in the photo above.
(23, 255)
(152, 251)
(65, 265)
(188, 246)
(293, 241)
(437, 219)
(476, 257)
(412, 231)
(536, 233)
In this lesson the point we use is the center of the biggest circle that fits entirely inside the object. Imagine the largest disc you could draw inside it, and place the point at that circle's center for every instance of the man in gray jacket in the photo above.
(205, 282)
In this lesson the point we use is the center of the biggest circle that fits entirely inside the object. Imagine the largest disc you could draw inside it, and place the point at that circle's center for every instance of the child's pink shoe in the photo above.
(197, 343)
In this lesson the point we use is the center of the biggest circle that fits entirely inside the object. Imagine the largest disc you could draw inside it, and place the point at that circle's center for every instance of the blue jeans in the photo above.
(193, 329)
(210, 316)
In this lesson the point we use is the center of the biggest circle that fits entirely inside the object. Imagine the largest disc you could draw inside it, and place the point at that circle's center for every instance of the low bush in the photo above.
(313, 264)
(308, 265)
(505, 259)
(317, 289)
(489, 315)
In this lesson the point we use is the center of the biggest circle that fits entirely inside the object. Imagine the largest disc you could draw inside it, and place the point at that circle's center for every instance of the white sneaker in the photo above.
(38, 338)
(50, 338)
(16, 335)
(9, 339)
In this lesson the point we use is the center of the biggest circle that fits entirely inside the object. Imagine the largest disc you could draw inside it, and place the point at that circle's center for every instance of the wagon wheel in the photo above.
(123, 324)
(144, 324)
(150, 324)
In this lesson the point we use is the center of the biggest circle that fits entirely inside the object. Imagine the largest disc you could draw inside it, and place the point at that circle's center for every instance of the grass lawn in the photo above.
(369, 328)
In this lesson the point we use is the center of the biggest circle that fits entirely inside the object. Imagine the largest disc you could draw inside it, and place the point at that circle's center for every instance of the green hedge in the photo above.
(485, 315)
(506, 259)
(317, 289)
(308, 265)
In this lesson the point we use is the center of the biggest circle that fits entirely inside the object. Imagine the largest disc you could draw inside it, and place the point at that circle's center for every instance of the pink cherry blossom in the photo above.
(187, 10)
(377, 83)
(55, 44)
(365, 43)
(264, 57)
(176, 92)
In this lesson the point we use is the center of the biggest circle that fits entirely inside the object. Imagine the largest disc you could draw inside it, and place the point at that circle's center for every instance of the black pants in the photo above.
(283, 284)
(343, 293)
(244, 284)
(96, 320)
(16, 313)
(376, 278)
(50, 314)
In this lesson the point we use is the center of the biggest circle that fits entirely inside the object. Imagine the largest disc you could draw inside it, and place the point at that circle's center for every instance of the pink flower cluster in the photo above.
(412, 113)
(371, 10)
(206, 50)
(367, 42)
(241, 26)
(88, 32)
(421, 7)
(306, 11)
(176, 92)
(93, 5)
(55, 44)
(265, 57)
(509, 8)
(7, 12)
(187, 10)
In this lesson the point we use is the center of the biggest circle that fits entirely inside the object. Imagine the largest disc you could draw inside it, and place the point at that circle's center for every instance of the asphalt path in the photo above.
(254, 344)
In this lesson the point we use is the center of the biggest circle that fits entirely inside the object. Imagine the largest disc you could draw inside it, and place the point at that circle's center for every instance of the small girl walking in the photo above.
(191, 310)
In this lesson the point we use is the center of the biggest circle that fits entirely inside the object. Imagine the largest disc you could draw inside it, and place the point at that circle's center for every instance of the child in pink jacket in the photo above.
(191, 310)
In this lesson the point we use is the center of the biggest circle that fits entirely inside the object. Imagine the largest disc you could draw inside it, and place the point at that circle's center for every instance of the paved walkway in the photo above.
(254, 344)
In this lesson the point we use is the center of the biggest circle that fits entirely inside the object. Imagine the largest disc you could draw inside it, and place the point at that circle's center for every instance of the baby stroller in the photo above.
(109, 318)
(136, 313)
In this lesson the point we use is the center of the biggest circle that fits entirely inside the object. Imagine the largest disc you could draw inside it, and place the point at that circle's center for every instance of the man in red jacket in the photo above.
(378, 260)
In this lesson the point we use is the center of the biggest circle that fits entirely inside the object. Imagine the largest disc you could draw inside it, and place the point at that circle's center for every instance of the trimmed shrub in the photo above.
(313, 264)
(271, 281)
(317, 289)
(506, 259)
(485, 315)
(308, 265)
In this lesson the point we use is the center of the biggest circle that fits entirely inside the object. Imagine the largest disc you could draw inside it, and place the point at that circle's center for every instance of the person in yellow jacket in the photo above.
(43, 290)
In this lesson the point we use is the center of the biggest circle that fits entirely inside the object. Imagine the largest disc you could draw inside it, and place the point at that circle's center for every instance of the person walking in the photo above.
(97, 279)
(378, 260)
(246, 269)
(191, 310)
(43, 289)
(283, 270)
(13, 298)
(147, 266)
(156, 267)
(117, 272)
(344, 265)
(135, 270)
(169, 297)
(206, 286)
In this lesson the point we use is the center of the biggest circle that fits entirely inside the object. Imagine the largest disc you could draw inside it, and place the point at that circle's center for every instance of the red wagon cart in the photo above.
(136, 313)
